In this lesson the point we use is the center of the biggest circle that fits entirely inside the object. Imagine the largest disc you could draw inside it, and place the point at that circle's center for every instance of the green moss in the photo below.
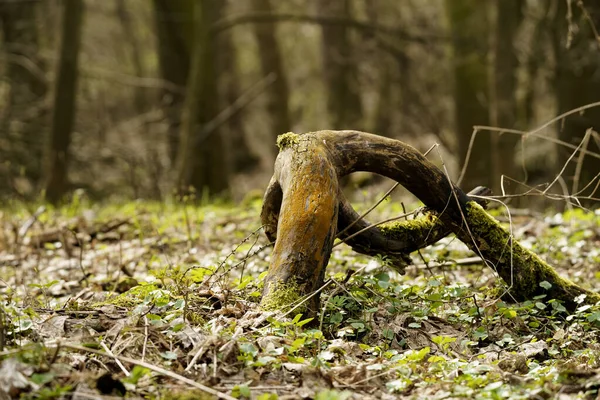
(403, 230)
(519, 268)
(186, 395)
(415, 233)
(282, 296)
(131, 298)
(287, 140)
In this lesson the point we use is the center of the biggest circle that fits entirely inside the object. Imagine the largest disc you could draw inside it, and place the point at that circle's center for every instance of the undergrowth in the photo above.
(154, 300)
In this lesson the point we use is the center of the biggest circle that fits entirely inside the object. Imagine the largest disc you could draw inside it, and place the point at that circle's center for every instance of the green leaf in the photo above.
(248, 348)
(241, 391)
(546, 285)
(336, 318)
(42, 378)
(480, 333)
(434, 283)
(419, 355)
(267, 396)
(300, 324)
(595, 316)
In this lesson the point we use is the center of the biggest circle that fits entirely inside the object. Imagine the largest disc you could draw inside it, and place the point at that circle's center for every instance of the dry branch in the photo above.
(305, 185)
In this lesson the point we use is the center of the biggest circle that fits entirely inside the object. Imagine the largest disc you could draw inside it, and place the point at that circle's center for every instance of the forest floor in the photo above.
(153, 300)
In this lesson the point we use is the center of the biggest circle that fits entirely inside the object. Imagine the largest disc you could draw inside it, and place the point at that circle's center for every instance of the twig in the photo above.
(29, 223)
(246, 98)
(117, 361)
(373, 225)
(563, 168)
(156, 369)
(194, 359)
(369, 27)
(379, 202)
(579, 165)
(145, 337)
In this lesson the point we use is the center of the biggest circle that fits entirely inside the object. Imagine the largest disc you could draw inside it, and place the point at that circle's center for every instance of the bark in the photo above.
(174, 31)
(243, 159)
(305, 183)
(503, 85)
(535, 60)
(125, 18)
(340, 73)
(201, 158)
(468, 28)
(65, 93)
(396, 239)
(24, 115)
(577, 83)
(271, 61)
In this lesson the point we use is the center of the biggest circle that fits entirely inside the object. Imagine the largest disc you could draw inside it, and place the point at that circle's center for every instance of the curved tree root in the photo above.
(304, 208)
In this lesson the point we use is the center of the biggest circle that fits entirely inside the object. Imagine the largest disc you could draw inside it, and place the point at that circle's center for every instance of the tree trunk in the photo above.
(468, 28)
(384, 110)
(133, 43)
(25, 114)
(503, 85)
(303, 208)
(65, 93)
(201, 158)
(340, 72)
(577, 82)
(174, 31)
(243, 159)
(271, 62)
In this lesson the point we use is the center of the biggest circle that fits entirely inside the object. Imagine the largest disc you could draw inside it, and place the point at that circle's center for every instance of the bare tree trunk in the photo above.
(201, 159)
(25, 114)
(243, 159)
(535, 58)
(468, 27)
(136, 53)
(385, 108)
(303, 208)
(271, 62)
(65, 93)
(577, 82)
(174, 30)
(503, 85)
(339, 68)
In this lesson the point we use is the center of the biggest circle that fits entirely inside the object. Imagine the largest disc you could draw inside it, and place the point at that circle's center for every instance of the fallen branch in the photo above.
(304, 209)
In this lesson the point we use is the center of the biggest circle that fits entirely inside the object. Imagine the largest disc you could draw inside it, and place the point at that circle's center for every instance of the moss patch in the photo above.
(416, 233)
(519, 268)
(287, 140)
(282, 296)
(405, 230)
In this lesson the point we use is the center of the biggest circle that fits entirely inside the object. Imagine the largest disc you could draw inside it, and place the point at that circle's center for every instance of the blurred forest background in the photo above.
(141, 98)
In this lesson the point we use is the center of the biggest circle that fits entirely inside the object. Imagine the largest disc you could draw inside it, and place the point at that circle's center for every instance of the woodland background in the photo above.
(140, 99)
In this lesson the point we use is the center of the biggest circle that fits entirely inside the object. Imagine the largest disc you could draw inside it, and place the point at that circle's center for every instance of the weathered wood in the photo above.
(395, 240)
(305, 183)
(307, 223)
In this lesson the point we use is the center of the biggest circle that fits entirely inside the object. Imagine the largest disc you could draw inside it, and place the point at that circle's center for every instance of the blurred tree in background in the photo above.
(24, 107)
(340, 69)
(469, 29)
(576, 48)
(64, 107)
(149, 98)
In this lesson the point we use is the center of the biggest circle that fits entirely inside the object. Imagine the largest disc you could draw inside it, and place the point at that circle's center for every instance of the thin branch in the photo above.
(154, 368)
(266, 17)
(246, 98)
